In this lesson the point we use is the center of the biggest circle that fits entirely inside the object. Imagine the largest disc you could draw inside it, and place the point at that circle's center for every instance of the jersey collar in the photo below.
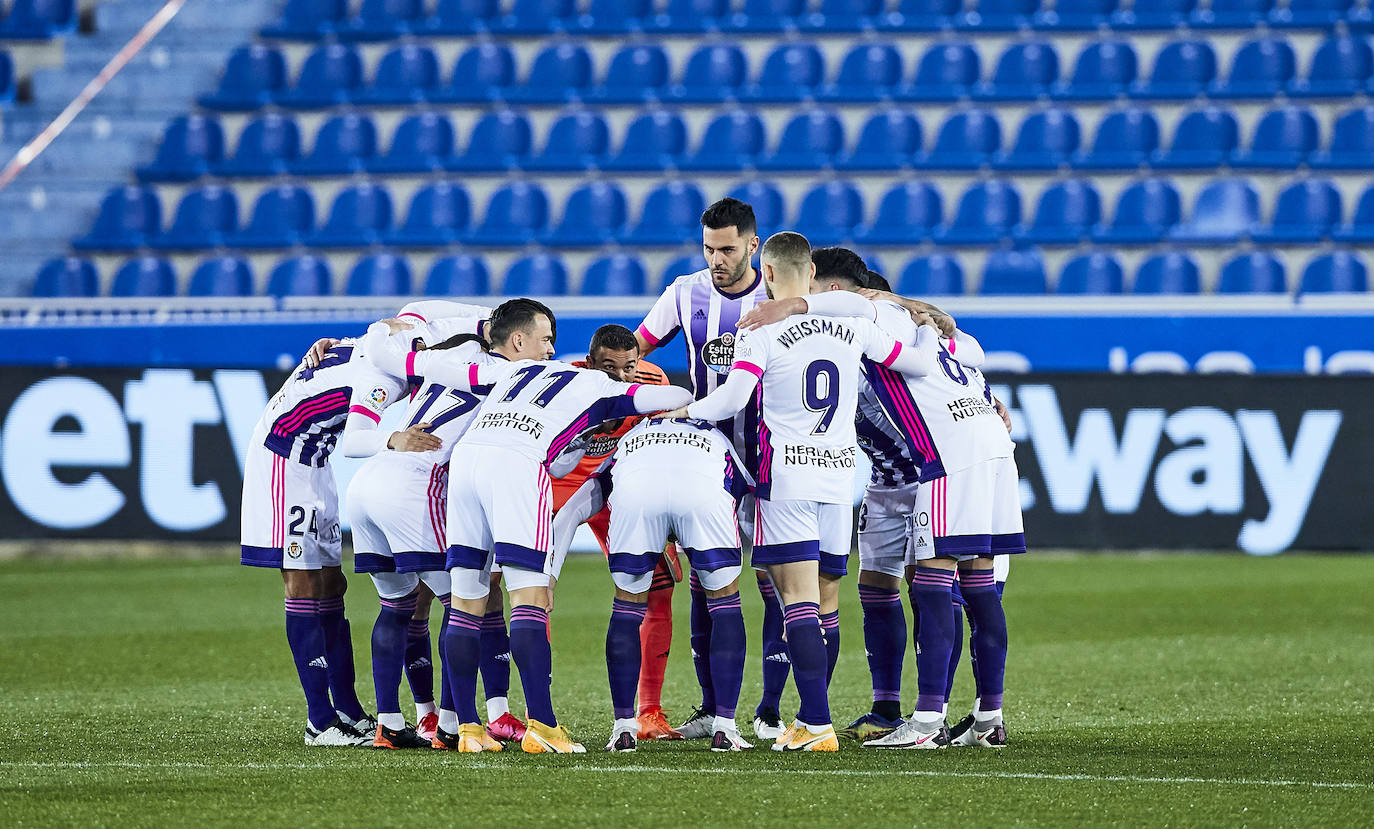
(753, 286)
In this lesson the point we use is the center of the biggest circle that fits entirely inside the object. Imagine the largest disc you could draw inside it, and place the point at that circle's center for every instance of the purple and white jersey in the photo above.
(303, 419)
(709, 321)
(449, 411)
(884, 445)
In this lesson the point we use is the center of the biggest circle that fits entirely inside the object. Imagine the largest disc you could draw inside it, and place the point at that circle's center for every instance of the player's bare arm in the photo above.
(943, 321)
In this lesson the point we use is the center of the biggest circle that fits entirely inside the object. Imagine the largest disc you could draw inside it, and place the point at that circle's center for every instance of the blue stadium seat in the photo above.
(1257, 272)
(407, 74)
(1095, 273)
(384, 20)
(345, 144)
(947, 72)
(967, 140)
(536, 17)
(206, 217)
(1339, 271)
(1183, 69)
(1340, 67)
(1010, 272)
(937, 274)
(537, 275)
(714, 72)
(616, 275)
(268, 146)
(423, 142)
(767, 201)
(813, 138)
(499, 141)
(869, 72)
(1225, 209)
(1126, 139)
(301, 276)
(890, 139)
(636, 73)
(1361, 227)
(7, 85)
(67, 276)
(309, 19)
(480, 74)
(516, 214)
(763, 16)
(1262, 68)
(909, 212)
(1000, 15)
(1172, 272)
(190, 145)
(1104, 70)
(1047, 139)
(1205, 139)
(1352, 142)
(1307, 210)
(145, 276)
(331, 75)
(921, 15)
(689, 17)
(578, 140)
(671, 215)
(282, 216)
(791, 72)
(1154, 14)
(1231, 14)
(1076, 15)
(681, 266)
(222, 276)
(988, 211)
(1313, 13)
(459, 275)
(1025, 71)
(829, 212)
(1068, 212)
(439, 215)
(379, 274)
(595, 213)
(844, 16)
(130, 217)
(655, 140)
(560, 73)
(462, 17)
(361, 213)
(1145, 212)
(254, 74)
(732, 140)
(872, 260)
(39, 19)
(613, 17)
(1283, 139)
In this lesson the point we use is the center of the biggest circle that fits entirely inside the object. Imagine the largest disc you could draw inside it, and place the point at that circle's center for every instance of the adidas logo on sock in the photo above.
(422, 662)
(502, 657)
(777, 657)
(318, 662)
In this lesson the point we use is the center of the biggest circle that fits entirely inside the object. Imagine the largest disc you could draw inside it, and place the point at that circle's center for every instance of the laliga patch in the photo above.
(379, 396)
(719, 354)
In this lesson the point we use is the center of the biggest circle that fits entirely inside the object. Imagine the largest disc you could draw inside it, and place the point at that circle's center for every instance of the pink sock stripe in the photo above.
(830, 620)
(766, 589)
(445, 600)
(800, 612)
(302, 607)
(463, 621)
(407, 603)
(529, 613)
(628, 608)
(976, 579)
(931, 576)
(693, 582)
(418, 627)
(878, 595)
(494, 620)
(723, 603)
(332, 605)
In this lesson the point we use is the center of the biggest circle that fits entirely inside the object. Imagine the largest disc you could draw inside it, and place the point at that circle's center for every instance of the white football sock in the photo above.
(496, 706)
(393, 721)
(448, 720)
(723, 724)
(423, 708)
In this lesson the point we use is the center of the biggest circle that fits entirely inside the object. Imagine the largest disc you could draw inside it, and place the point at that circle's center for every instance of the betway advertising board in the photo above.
(1255, 463)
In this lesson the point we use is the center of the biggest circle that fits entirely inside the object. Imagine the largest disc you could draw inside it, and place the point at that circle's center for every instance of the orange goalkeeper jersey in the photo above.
(603, 443)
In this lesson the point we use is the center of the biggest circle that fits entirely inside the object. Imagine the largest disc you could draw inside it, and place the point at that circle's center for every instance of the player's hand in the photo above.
(553, 582)
(923, 318)
(317, 351)
(396, 326)
(675, 414)
(771, 311)
(881, 296)
(942, 321)
(1002, 413)
(414, 439)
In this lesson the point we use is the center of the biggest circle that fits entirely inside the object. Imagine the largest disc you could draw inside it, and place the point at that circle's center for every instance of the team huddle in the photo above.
(795, 368)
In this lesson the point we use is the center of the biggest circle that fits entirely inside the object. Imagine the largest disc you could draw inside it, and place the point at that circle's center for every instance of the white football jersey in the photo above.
(303, 419)
(709, 321)
(810, 369)
(680, 447)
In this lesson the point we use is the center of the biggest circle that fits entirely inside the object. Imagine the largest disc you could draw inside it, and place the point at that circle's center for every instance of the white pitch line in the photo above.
(995, 775)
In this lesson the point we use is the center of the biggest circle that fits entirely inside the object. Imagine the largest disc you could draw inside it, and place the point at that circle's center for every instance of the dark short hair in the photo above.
(877, 282)
(788, 249)
(614, 338)
(731, 213)
(517, 315)
(841, 264)
(457, 340)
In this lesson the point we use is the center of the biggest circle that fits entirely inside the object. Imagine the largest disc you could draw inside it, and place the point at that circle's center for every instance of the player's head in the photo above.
(522, 329)
(615, 351)
(838, 269)
(787, 267)
(729, 238)
(877, 282)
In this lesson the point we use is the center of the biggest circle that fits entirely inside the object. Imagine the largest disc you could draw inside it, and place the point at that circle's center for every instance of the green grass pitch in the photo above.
(1170, 690)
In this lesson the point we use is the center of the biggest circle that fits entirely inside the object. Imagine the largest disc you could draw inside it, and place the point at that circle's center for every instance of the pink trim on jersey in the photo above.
(749, 367)
(412, 314)
(634, 387)
(896, 350)
(363, 410)
(951, 345)
(438, 502)
(649, 338)
(410, 364)
(278, 500)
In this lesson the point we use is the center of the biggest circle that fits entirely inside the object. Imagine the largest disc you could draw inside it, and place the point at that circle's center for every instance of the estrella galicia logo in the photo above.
(719, 354)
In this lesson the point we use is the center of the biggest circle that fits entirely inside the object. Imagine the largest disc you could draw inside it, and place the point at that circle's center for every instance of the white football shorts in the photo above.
(884, 528)
(290, 517)
(697, 511)
(790, 531)
(972, 513)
